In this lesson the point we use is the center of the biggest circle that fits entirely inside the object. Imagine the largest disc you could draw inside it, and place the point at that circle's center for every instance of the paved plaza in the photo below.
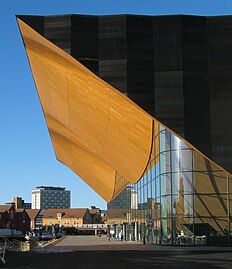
(85, 252)
(70, 243)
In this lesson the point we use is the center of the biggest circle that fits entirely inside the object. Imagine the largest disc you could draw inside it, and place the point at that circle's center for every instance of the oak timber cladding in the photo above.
(95, 130)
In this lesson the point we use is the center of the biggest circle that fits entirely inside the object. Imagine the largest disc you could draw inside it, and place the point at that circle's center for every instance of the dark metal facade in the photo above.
(220, 85)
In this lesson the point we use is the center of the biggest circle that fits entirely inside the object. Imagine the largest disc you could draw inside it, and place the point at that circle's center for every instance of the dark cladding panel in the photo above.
(220, 81)
(112, 34)
(112, 51)
(167, 43)
(169, 100)
(140, 62)
(220, 36)
(115, 73)
(195, 82)
(57, 29)
(168, 75)
(85, 40)
(35, 22)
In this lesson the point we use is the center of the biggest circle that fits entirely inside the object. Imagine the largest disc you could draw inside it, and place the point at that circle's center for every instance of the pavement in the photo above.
(85, 252)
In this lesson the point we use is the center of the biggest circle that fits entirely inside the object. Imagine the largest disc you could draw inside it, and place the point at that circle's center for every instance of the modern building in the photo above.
(128, 198)
(177, 68)
(45, 197)
(39, 219)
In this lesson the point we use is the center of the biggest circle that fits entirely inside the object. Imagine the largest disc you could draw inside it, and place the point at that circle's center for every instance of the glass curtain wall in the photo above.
(183, 198)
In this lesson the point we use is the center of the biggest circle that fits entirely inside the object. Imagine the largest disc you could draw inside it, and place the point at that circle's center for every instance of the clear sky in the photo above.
(27, 158)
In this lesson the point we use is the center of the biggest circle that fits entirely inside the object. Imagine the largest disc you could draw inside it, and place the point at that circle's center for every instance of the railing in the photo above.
(15, 245)
(92, 226)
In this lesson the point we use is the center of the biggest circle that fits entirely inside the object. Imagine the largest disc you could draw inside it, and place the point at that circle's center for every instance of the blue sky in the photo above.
(27, 158)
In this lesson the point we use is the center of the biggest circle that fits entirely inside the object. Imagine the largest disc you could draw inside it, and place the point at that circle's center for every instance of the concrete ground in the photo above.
(97, 252)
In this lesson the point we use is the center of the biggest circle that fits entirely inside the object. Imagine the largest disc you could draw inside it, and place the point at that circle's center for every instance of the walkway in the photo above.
(71, 243)
(98, 253)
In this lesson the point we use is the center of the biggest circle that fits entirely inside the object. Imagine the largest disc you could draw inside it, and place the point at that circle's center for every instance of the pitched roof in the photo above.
(32, 213)
(66, 212)
(19, 210)
(4, 208)
(93, 211)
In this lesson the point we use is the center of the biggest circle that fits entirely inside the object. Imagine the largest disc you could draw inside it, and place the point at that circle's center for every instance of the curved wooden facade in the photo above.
(96, 131)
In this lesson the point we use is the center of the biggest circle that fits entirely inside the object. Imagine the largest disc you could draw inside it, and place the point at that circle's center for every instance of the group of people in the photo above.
(118, 236)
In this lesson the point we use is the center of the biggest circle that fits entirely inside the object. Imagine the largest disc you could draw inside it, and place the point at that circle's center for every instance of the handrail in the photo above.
(95, 226)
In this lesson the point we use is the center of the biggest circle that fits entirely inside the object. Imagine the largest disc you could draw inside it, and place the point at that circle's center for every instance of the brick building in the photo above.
(34, 217)
(67, 217)
(11, 218)
(21, 220)
(7, 216)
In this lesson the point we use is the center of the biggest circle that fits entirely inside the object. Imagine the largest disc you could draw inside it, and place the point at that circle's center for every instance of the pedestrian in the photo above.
(226, 232)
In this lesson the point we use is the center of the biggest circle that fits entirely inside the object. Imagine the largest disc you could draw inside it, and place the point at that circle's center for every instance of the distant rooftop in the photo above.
(51, 188)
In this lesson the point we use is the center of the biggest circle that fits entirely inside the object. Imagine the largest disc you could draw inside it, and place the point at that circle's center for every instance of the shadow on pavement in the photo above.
(120, 259)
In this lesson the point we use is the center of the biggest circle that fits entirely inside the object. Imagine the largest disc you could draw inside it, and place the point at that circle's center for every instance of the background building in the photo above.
(34, 214)
(50, 197)
(7, 219)
(14, 219)
(22, 220)
(95, 213)
(67, 217)
(128, 198)
(19, 203)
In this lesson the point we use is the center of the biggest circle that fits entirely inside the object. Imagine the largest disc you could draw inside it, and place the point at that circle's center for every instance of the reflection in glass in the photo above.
(183, 198)
(165, 166)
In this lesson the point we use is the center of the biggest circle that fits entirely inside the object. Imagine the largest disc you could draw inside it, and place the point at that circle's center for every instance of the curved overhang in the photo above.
(96, 131)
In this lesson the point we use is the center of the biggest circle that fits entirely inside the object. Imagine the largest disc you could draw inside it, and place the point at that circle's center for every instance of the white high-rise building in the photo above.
(50, 197)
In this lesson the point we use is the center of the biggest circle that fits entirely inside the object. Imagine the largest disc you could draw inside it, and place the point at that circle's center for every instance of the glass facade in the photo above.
(183, 198)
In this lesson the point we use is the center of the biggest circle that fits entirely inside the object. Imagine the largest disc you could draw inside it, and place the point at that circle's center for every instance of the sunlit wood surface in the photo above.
(95, 130)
